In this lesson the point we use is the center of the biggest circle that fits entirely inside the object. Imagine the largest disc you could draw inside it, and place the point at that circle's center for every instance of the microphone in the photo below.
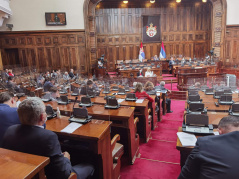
(74, 105)
(75, 101)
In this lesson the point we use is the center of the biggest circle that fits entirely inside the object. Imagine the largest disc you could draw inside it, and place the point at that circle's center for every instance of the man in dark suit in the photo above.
(31, 137)
(71, 74)
(162, 88)
(49, 84)
(215, 157)
(8, 113)
(140, 73)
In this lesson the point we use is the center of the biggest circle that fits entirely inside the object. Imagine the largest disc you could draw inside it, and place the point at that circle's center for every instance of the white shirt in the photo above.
(149, 73)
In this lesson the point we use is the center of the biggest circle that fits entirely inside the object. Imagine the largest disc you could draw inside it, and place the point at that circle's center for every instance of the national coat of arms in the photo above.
(151, 30)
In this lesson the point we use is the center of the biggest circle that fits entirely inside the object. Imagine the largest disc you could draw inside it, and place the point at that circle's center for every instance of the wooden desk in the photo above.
(122, 123)
(212, 107)
(15, 165)
(215, 117)
(184, 151)
(190, 75)
(97, 136)
(209, 98)
(129, 73)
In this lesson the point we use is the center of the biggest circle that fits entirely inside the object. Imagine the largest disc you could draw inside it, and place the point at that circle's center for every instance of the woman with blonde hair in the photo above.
(149, 86)
(140, 94)
(149, 73)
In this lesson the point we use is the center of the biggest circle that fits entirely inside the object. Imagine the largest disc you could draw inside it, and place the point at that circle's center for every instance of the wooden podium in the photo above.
(100, 72)
(185, 75)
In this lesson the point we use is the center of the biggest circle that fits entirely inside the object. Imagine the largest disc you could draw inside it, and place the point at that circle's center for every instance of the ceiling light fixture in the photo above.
(178, 1)
(152, 1)
(126, 2)
(204, 1)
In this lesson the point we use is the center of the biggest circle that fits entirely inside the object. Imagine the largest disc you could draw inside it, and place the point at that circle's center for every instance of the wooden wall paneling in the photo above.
(41, 58)
(46, 49)
(231, 46)
(126, 30)
(31, 58)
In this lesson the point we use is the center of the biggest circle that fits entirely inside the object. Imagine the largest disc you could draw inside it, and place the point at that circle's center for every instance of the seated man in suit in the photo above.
(31, 137)
(48, 84)
(215, 156)
(168, 101)
(8, 113)
(71, 74)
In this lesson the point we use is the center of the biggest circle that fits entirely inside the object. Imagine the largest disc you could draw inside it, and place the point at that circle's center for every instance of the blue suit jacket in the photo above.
(38, 141)
(47, 86)
(214, 157)
(8, 117)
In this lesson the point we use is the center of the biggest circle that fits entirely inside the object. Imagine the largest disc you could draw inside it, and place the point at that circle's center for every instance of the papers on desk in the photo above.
(158, 93)
(187, 139)
(120, 100)
(139, 100)
(216, 133)
(71, 127)
(18, 103)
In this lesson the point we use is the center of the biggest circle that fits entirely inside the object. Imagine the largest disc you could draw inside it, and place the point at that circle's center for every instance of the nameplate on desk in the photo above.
(187, 139)
(120, 100)
(197, 129)
(71, 127)
(139, 100)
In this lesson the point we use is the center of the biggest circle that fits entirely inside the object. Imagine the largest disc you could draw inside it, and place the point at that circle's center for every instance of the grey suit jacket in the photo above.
(39, 141)
(214, 157)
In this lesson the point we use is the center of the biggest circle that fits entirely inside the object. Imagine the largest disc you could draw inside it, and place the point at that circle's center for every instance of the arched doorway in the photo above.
(218, 28)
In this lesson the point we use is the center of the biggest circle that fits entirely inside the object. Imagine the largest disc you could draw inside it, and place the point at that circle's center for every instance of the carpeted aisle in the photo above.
(159, 158)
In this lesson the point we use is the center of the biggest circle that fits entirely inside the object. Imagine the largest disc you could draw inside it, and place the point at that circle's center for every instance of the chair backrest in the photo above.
(85, 100)
(227, 91)
(76, 90)
(131, 95)
(196, 119)
(204, 87)
(80, 112)
(115, 87)
(64, 98)
(107, 89)
(235, 107)
(194, 98)
(196, 107)
(226, 98)
(126, 88)
(112, 102)
(121, 90)
(219, 93)
(210, 90)
(49, 110)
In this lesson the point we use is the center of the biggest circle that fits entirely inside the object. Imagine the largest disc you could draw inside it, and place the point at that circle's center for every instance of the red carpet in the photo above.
(164, 134)
(147, 169)
(174, 86)
(161, 151)
(159, 158)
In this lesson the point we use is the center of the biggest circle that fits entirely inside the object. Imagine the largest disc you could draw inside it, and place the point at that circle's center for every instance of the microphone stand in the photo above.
(74, 105)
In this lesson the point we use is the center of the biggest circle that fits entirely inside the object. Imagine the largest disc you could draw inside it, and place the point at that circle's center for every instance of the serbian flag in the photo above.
(162, 52)
(141, 53)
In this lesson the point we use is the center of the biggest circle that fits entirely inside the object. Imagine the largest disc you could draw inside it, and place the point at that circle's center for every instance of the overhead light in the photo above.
(178, 1)
(204, 0)
(125, 2)
(152, 1)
